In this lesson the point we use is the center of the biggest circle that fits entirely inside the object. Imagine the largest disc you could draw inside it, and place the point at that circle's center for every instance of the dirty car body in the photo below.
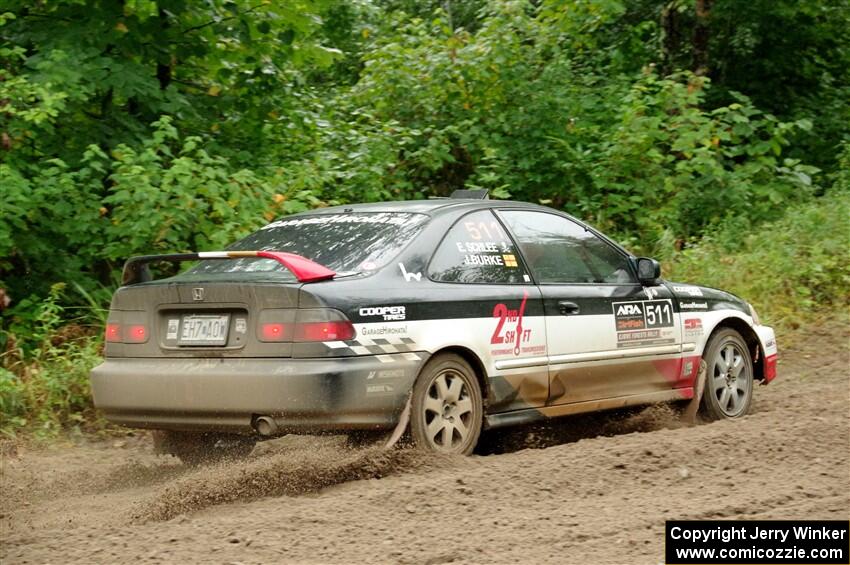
(552, 317)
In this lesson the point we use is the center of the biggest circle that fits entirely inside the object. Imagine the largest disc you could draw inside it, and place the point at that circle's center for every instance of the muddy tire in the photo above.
(447, 407)
(728, 391)
(198, 448)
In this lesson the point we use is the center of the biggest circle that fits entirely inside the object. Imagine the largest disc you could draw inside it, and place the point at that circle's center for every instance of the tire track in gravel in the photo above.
(594, 489)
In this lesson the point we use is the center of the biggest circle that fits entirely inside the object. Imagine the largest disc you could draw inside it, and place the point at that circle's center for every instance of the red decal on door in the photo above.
(516, 336)
(501, 312)
(519, 321)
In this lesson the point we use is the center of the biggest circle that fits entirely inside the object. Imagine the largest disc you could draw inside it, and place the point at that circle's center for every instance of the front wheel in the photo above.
(196, 448)
(447, 407)
(728, 391)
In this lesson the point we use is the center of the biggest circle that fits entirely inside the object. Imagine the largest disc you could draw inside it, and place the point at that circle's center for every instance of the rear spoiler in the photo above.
(136, 269)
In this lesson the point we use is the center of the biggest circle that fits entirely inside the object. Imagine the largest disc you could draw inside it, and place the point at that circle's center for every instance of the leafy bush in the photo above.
(168, 195)
(128, 128)
(515, 109)
(792, 270)
(48, 390)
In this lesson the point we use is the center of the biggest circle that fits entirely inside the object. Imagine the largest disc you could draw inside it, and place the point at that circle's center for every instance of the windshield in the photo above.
(347, 243)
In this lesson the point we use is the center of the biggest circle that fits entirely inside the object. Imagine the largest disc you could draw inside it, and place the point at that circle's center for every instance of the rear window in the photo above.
(347, 243)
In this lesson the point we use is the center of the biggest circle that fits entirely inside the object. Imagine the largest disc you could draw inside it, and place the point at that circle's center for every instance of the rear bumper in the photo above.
(302, 395)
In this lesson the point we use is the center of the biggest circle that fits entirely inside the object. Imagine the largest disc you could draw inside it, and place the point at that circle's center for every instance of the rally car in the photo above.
(456, 314)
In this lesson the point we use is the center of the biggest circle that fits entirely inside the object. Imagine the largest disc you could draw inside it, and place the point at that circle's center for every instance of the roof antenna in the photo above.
(473, 194)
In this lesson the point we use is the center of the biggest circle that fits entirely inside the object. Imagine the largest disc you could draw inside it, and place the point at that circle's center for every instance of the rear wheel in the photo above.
(196, 448)
(446, 408)
(728, 389)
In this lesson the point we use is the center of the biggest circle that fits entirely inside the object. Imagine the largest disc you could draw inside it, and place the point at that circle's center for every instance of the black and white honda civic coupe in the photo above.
(453, 315)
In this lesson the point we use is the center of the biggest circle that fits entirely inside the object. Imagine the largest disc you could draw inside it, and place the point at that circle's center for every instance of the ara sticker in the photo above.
(639, 315)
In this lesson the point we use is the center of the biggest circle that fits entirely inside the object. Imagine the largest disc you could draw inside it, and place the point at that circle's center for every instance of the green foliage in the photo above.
(48, 390)
(510, 108)
(166, 195)
(794, 269)
(80, 73)
(149, 126)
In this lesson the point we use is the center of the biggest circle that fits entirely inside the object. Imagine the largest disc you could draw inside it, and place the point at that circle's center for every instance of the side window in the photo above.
(477, 250)
(561, 251)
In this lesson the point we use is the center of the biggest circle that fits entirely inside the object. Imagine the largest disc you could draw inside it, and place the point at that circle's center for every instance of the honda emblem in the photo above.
(197, 294)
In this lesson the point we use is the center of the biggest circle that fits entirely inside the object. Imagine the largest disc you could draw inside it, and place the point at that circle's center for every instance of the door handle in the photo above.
(566, 308)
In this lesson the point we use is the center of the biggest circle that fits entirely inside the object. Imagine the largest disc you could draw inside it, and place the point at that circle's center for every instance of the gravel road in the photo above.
(594, 489)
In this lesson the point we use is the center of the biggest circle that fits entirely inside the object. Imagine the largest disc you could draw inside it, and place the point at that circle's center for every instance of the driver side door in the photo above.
(608, 336)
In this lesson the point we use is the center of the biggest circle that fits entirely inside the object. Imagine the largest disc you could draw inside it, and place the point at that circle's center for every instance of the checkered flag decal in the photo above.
(382, 347)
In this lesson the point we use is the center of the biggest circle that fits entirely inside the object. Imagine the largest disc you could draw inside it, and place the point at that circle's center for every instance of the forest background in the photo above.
(711, 134)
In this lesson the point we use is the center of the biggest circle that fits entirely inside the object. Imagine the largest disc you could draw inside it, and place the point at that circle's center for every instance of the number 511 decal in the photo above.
(639, 315)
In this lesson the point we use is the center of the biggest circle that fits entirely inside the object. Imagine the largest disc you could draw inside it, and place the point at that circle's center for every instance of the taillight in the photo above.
(126, 333)
(136, 333)
(324, 331)
(113, 333)
(274, 332)
(304, 325)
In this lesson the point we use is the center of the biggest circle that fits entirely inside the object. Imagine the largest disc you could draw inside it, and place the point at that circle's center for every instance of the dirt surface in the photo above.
(594, 489)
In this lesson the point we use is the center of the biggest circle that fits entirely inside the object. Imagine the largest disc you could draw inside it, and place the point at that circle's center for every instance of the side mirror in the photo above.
(649, 271)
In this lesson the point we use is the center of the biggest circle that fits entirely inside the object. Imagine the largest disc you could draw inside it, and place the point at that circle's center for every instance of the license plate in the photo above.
(203, 329)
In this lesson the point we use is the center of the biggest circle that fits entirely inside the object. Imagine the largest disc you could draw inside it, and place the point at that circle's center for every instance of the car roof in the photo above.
(430, 206)
(439, 206)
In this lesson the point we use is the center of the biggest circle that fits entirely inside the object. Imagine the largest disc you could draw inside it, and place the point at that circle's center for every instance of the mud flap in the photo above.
(401, 427)
(690, 415)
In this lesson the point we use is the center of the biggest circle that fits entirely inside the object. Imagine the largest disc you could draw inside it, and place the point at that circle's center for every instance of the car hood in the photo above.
(714, 299)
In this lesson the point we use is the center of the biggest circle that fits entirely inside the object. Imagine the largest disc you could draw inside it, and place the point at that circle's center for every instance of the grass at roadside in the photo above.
(795, 270)
(45, 390)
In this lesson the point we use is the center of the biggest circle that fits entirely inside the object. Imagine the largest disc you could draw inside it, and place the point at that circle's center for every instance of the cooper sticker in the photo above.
(644, 314)
(689, 290)
(387, 313)
(693, 305)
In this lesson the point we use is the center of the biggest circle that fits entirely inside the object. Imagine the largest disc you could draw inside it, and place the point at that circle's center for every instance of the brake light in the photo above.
(324, 331)
(113, 333)
(136, 334)
(273, 332)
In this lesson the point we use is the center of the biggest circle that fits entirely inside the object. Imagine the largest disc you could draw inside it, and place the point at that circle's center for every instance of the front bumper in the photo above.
(767, 340)
(302, 395)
